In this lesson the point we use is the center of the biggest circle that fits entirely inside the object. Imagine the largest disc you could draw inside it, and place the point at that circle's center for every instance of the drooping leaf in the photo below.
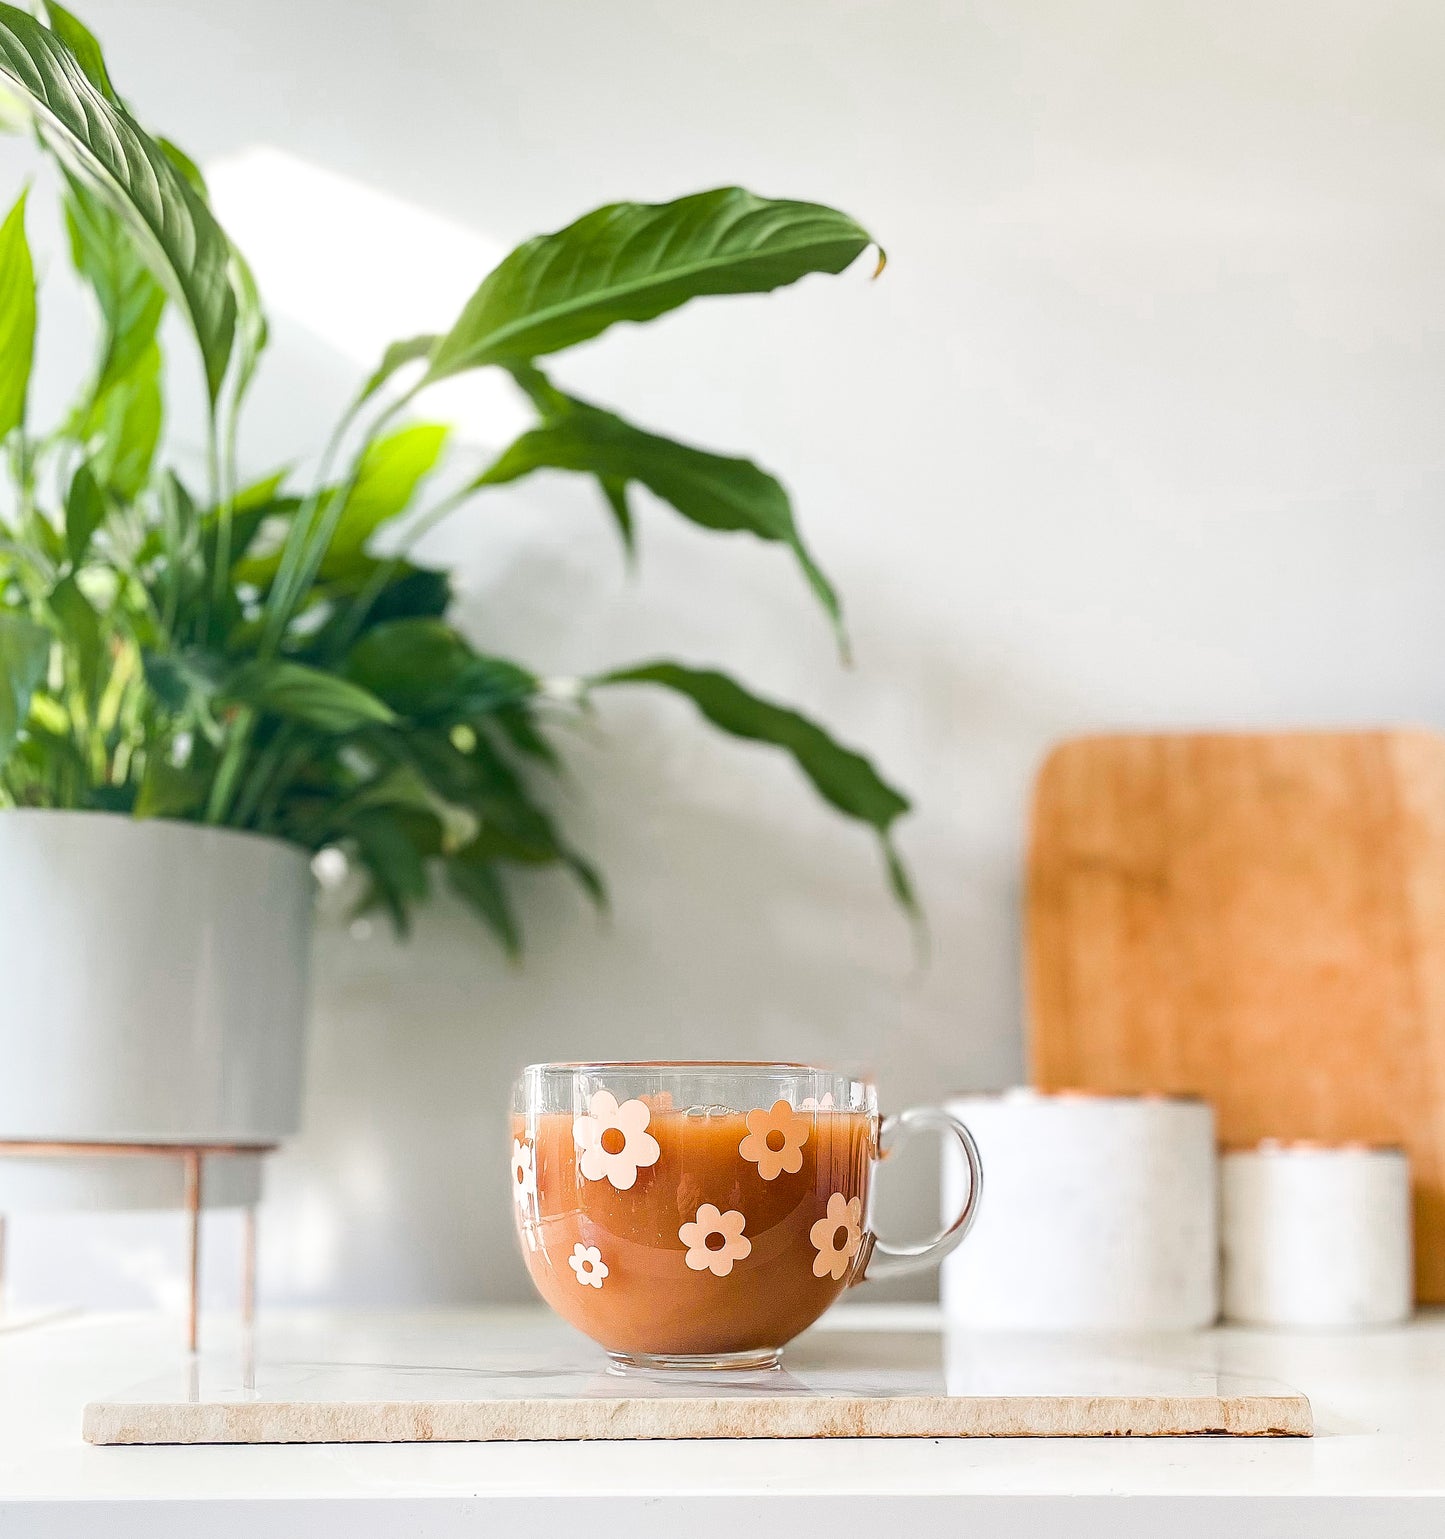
(97, 140)
(293, 690)
(24, 656)
(84, 512)
(713, 490)
(840, 775)
(131, 301)
(17, 318)
(479, 883)
(634, 261)
(392, 844)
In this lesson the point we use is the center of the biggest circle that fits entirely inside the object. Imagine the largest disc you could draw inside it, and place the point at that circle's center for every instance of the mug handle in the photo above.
(879, 1259)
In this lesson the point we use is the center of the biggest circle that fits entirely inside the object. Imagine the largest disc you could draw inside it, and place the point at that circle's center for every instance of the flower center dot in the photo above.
(614, 1140)
(775, 1141)
(716, 1240)
(840, 1237)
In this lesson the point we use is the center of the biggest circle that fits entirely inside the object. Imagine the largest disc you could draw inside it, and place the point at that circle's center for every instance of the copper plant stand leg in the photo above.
(192, 1156)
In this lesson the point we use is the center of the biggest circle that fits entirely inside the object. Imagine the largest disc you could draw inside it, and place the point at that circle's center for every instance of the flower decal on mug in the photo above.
(587, 1262)
(774, 1140)
(613, 1140)
(837, 1236)
(715, 1240)
(524, 1174)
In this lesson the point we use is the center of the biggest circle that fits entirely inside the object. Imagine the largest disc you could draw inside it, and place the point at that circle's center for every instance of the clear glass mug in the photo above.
(700, 1215)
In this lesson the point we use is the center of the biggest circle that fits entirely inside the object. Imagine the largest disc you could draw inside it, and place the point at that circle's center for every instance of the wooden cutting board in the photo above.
(1258, 918)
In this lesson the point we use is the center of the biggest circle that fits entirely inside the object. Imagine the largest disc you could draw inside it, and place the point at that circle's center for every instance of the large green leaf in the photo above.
(714, 490)
(98, 141)
(307, 695)
(17, 318)
(130, 299)
(24, 655)
(395, 358)
(840, 775)
(634, 261)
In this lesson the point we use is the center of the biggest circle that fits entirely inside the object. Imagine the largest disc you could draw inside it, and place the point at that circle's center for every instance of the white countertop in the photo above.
(1375, 1466)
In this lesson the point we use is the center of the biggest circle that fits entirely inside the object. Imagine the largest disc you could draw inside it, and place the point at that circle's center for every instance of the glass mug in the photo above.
(700, 1215)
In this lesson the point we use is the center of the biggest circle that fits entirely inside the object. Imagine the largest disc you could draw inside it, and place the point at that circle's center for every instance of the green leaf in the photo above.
(83, 43)
(634, 261)
(184, 679)
(17, 318)
(479, 883)
(422, 667)
(96, 139)
(78, 626)
(84, 511)
(24, 657)
(841, 776)
(395, 358)
(393, 844)
(713, 490)
(305, 694)
(130, 299)
(171, 791)
(126, 420)
(391, 470)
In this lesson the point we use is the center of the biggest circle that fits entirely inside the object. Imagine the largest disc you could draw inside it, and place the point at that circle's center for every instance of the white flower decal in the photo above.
(613, 1140)
(587, 1262)
(524, 1174)
(726, 1229)
(838, 1236)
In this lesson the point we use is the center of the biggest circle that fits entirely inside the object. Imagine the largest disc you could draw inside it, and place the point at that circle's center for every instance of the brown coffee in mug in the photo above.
(703, 1214)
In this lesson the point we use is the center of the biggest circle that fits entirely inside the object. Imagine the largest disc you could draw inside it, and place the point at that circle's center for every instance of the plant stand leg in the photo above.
(193, 1217)
(248, 1269)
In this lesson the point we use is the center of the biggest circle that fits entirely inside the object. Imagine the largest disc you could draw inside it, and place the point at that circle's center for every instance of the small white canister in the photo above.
(1316, 1235)
(1099, 1213)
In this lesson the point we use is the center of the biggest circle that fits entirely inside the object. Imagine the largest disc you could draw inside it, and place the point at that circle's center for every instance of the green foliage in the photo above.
(270, 657)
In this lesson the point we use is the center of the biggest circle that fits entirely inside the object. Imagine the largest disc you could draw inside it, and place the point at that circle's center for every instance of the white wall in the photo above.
(1142, 426)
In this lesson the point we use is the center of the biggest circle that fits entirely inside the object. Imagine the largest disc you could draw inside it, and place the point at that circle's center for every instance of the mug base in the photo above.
(706, 1362)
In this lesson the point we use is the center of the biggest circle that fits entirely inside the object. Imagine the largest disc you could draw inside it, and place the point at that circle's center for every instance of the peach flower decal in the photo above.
(812, 1103)
(524, 1174)
(724, 1228)
(774, 1140)
(587, 1262)
(613, 1140)
(838, 1236)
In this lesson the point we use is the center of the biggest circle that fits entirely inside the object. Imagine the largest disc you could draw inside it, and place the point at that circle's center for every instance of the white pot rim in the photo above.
(179, 828)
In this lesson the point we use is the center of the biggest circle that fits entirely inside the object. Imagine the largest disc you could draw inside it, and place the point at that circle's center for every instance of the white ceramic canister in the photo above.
(1099, 1213)
(1316, 1235)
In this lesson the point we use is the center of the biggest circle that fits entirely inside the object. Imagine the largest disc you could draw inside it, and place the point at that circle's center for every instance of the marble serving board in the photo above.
(524, 1377)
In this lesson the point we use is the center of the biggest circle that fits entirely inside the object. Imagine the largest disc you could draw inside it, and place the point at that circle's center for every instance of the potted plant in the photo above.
(203, 685)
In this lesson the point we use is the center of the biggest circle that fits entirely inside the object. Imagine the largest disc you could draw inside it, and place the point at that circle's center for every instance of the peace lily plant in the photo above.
(251, 655)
